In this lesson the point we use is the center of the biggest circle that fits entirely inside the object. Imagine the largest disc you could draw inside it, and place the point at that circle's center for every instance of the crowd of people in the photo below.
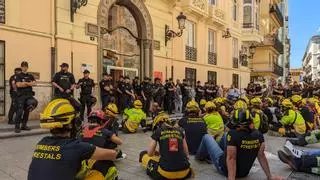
(225, 128)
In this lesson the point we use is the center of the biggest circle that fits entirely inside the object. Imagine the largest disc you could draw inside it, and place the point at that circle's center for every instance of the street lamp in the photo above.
(252, 51)
(170, 34)
(74, 5)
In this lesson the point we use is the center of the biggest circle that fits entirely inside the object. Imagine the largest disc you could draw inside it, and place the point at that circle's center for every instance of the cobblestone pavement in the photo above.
(15, 156)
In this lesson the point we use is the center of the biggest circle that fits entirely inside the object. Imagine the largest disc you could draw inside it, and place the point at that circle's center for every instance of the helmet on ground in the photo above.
(159, 119)
(203, 102)
(240, 104)
(111, 110)
(296, 99)
(97, 116)
(192, 106)
(31, 104)
(269, 101)
(287, 103)
(241, 117)
(137, 104)
(57, 114)
(210, 105)
(256, 101)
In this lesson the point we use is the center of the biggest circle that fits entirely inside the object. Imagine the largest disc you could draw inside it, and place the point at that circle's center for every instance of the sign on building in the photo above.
(2, 11)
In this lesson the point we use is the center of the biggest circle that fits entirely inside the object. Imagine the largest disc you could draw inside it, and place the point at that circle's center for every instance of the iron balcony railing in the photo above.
(235, 62)
(278, 45)
(278, 70)
(276, 11)
(212, 58)
(191, 53)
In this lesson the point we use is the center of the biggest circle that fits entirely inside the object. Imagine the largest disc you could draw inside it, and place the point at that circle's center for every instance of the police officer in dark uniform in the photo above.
(64, 84)
(24, 82)
(120, 93)
(199, 92)
(86, 98)
(106, 90)
(185, 91)
(13, 94)
(137, 88)
(128, 92)
(157, 93)
(146, 92)
(170, 89)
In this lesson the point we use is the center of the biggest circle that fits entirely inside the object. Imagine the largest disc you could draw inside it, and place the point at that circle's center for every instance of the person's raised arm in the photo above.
(104, 154)
(232, 162)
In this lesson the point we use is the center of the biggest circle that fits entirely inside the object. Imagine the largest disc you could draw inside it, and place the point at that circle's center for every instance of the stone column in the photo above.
(146, 47)
(142, 62)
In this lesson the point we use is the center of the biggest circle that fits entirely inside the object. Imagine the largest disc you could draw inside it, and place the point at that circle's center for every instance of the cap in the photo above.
(17, 69)
(24, 64)
(86, 71)
(64, 65)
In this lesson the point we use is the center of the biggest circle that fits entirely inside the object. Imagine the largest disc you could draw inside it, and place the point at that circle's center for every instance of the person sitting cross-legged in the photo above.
(133, 118)
(172, 161)
(244, 144)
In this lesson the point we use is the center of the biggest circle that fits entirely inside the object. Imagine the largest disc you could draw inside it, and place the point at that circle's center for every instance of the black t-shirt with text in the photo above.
(24, 77)
(86, 85)
(172, 156)
(58, 158)
(194, 128)
(248, 145)
(65, 80)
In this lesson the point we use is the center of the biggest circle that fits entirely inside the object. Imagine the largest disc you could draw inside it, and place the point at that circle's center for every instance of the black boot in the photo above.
(25, 128)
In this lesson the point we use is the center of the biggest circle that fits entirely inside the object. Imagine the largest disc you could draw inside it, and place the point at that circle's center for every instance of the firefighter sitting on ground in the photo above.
(133, 117)
(59, 156)
(172, 160)
(260, 120)
(214, 121)
(97, 134)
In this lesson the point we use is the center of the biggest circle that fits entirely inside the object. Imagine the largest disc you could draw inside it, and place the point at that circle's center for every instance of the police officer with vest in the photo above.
(64, 84)
(13, 94)
(24, 99)
(86, 99)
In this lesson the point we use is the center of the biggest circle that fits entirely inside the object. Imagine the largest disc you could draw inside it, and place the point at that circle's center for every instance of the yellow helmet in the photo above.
(57, 114)
(304, 101)
(240, 104)
(203, 102)
(218, 100)
(210, 105)
(111, 110)
(287, 103)
(256, 101)
(137, 104)
(192, 106)
(296, 98)
(160, 118)
(245, 99)
(312, 101)
(270, 101)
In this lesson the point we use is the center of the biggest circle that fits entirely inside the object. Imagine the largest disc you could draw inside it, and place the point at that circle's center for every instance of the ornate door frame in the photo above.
(145, 31)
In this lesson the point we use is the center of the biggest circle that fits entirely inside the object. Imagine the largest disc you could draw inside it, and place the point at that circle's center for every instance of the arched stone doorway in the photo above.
(121, 54)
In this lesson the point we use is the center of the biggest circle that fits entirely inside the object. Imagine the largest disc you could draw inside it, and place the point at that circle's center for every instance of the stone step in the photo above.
(12, 134)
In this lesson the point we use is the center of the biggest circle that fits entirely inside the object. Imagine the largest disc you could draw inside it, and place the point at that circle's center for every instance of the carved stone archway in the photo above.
(145, 29)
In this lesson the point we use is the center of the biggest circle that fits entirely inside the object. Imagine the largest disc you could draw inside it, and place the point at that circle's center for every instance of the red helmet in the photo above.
(97, 115)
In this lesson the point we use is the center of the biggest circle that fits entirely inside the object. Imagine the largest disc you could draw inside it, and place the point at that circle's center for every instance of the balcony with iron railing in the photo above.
(191, 53)
(212, 58)
(235, 62)
(272, 40)
(275, 10)
(244, 60)
(278, 70)
(198, 6)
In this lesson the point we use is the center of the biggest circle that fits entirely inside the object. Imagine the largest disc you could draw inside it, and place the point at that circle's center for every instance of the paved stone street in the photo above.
(15, 155)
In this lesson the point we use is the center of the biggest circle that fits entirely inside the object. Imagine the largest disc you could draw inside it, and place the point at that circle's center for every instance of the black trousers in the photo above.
(146, 105)
(12, 109)
(185, 100)
(22, 113)
(105, 99)
(85, 101)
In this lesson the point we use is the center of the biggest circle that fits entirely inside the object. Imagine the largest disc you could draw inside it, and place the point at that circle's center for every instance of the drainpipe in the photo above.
(53, 38)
